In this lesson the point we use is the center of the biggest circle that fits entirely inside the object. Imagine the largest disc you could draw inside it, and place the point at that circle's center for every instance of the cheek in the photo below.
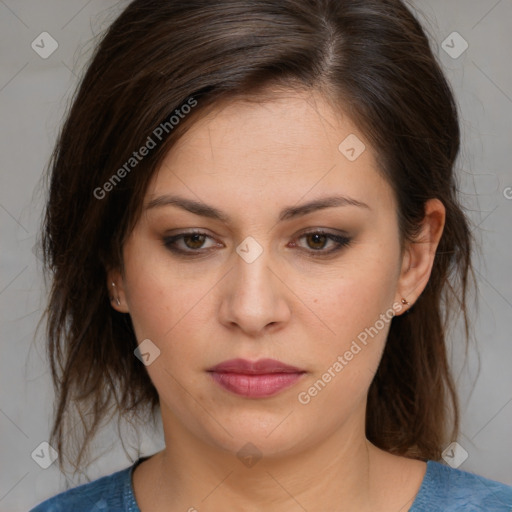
(357, 308)
(354, 301)
(158, 311)
(157, 298)
(172, 313)
(346, 362)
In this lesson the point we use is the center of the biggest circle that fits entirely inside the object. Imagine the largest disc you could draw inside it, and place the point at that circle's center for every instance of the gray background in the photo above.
(34, 93)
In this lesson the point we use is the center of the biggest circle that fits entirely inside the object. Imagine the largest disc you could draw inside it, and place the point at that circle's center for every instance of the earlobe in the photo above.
(420, 253)
(116, 292)
(116, 295)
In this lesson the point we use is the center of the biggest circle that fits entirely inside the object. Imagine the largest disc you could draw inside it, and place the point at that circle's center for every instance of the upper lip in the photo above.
(260, 367)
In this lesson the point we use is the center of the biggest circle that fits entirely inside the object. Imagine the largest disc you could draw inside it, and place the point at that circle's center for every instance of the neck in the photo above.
(197, 475)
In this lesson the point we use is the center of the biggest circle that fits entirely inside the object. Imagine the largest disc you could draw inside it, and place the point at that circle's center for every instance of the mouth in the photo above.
(258, 379)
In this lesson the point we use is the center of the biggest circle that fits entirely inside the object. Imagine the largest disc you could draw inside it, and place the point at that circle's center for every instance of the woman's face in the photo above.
(267, 277)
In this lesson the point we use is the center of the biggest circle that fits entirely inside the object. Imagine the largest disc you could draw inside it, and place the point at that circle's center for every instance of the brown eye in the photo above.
(316, 241)
(196, 241)
(192, 243)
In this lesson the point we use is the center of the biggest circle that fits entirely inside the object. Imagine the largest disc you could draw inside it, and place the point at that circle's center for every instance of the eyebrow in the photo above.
(287, 213)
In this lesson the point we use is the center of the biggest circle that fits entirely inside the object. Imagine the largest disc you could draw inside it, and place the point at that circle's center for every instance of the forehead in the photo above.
(277, 148)
(286, 124)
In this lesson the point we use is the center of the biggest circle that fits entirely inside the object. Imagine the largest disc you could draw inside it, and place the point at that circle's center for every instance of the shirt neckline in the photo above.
(128, 491)
(132, 506)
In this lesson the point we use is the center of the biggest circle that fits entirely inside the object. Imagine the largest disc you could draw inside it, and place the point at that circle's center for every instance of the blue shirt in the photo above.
(443, 489)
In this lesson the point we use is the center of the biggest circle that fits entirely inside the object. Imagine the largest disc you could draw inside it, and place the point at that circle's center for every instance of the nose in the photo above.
(255, 298)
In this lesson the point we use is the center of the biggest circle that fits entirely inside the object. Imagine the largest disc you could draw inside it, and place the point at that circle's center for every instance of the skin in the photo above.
(251, 159)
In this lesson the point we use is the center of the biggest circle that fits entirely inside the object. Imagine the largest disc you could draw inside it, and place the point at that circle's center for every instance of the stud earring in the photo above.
(406, 303)
(117, 297)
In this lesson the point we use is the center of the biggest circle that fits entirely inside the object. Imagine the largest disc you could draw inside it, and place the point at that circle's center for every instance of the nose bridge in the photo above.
(252, 279)
(252, 276)
(255, 298)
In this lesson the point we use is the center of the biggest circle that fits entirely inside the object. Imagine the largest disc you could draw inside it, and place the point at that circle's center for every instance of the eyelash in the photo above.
(341, 241)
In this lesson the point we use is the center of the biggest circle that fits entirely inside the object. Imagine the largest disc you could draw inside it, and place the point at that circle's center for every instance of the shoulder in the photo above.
(110, 493)
(447, 489)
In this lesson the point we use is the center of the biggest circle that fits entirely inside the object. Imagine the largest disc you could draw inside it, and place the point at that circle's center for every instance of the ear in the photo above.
(115, 286)
(418, 258)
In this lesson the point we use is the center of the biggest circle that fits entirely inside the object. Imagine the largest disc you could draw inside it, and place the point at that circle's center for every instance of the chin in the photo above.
(258, 434)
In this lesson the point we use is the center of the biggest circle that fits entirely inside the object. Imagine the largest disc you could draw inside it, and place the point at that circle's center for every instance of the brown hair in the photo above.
(371, 57)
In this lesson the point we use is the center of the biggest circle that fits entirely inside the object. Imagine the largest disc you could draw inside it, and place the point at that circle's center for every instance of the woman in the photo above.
(253, 230)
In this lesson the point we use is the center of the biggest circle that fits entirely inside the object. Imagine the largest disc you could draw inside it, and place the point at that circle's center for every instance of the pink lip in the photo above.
(258, 379)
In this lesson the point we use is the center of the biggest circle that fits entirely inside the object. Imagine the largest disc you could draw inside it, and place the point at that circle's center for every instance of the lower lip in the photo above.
(256, 386)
